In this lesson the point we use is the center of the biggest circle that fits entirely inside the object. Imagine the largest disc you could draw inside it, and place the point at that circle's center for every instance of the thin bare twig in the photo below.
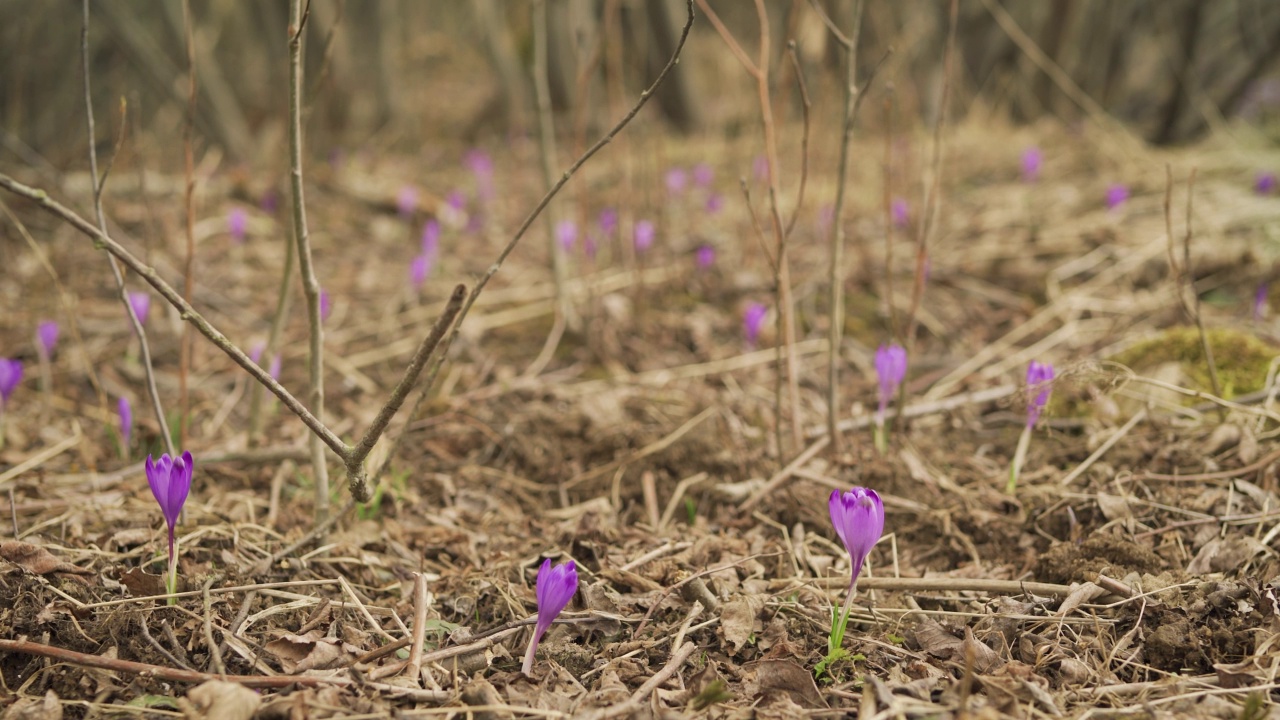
(547, 149)
(189, 203)
(1183, 276)
(99, 183)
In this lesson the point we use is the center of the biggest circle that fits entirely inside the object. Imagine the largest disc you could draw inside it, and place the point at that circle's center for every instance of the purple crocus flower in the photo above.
(270, 201)
(1260, 302)
(326, 305)
(566, 234)
(237, 223)
(1265, 184)
(706, 256)
(125, 410)
(170, 481)
(419, 269)
(556, 586)
(608, 221)
(644, 235)
(703, 175)
(900, 212)
(431, 238)
(46, 338)
(1039, 386)
(677, 181)
(1117, 194)
(760, 168)
(407, 201)
(891, 369)
(10, 376)
(753, 321)
(141, 303)
(858, 517)
(1032, 159)
(481, 165)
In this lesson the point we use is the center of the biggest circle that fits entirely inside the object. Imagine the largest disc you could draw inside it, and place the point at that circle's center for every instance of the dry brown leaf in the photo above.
(1079, 595)
(45, 708)
(738, 619)
(1224, 554)
(935, 640)
(791, 678)
(985, 660)
(218, 700)
(37, 560)
(142, 584)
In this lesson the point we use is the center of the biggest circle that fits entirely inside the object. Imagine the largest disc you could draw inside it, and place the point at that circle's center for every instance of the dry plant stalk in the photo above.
(310, 286)
(547, 149)
(1184, 281)
(189, 202)
(99, 183)
(759, 71)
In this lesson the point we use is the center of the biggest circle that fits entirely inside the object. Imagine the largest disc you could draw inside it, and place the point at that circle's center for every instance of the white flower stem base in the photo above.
(1019, 456)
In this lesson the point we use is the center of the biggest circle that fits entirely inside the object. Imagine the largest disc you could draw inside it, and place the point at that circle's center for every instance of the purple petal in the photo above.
(47, 334)
(141, 303)
(10, 376)
(125, 411)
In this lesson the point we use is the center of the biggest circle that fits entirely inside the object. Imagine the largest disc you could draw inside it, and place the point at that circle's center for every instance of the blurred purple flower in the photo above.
(141, 303)
(481, 165)
(326, 305)
(677, 180)
(706, 256)
(419, 269)
(10, 376)
(1260, 302)
(753, 321)
(858, 517)
(125, 411)
(1032, 159)
(703, 175)
(644, 235)
(274, 369)
(555, 587)
(46, 338)
(1265, 184)
(431, 238)
(608, 221)
(566, 234)
(255, 352)
(760, 168)
(826, 216)
(900, 212)
(237, 223)
(270, 201)
(1040, 382)
(715, 201)
(407, 201)
(457, 200)
(891, 369)
(1117, 194)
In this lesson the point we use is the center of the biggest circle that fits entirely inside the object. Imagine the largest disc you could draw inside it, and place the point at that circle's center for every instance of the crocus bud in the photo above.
(891, 369)
(1039, 386)
(1117, 195)
(752, 321)
(46, 338)
(556, 586)
(858, 517)
(10, 376)
(237, 224)
(141, 304)
(1032, 158)
(644, 235)
(125, 410)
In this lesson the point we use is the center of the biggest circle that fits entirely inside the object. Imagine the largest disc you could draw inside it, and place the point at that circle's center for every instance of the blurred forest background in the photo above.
(394, 74)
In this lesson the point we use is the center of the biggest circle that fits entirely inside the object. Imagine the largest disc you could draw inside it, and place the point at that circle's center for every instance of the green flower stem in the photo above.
(881, 438)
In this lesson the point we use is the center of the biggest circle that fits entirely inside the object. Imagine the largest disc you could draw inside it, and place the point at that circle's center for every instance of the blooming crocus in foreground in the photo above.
(170, 481)
(407, 201)
(1039, 386)
(1265, 183)
(566, 234)
(125, 410)
(1260, 302)
(1116, 196)
(46, 338)
(753, 321)
(141, 304)
(706, 257)
(555, 588)
(891, 369)
(326, 305)
(858, 517)
(644, 235)
(1032, 158)
(900, 212)
(10, 376)
(237, 224)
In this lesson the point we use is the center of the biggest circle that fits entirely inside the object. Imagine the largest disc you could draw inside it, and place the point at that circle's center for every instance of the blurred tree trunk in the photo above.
(676, 95)
(513, 95)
